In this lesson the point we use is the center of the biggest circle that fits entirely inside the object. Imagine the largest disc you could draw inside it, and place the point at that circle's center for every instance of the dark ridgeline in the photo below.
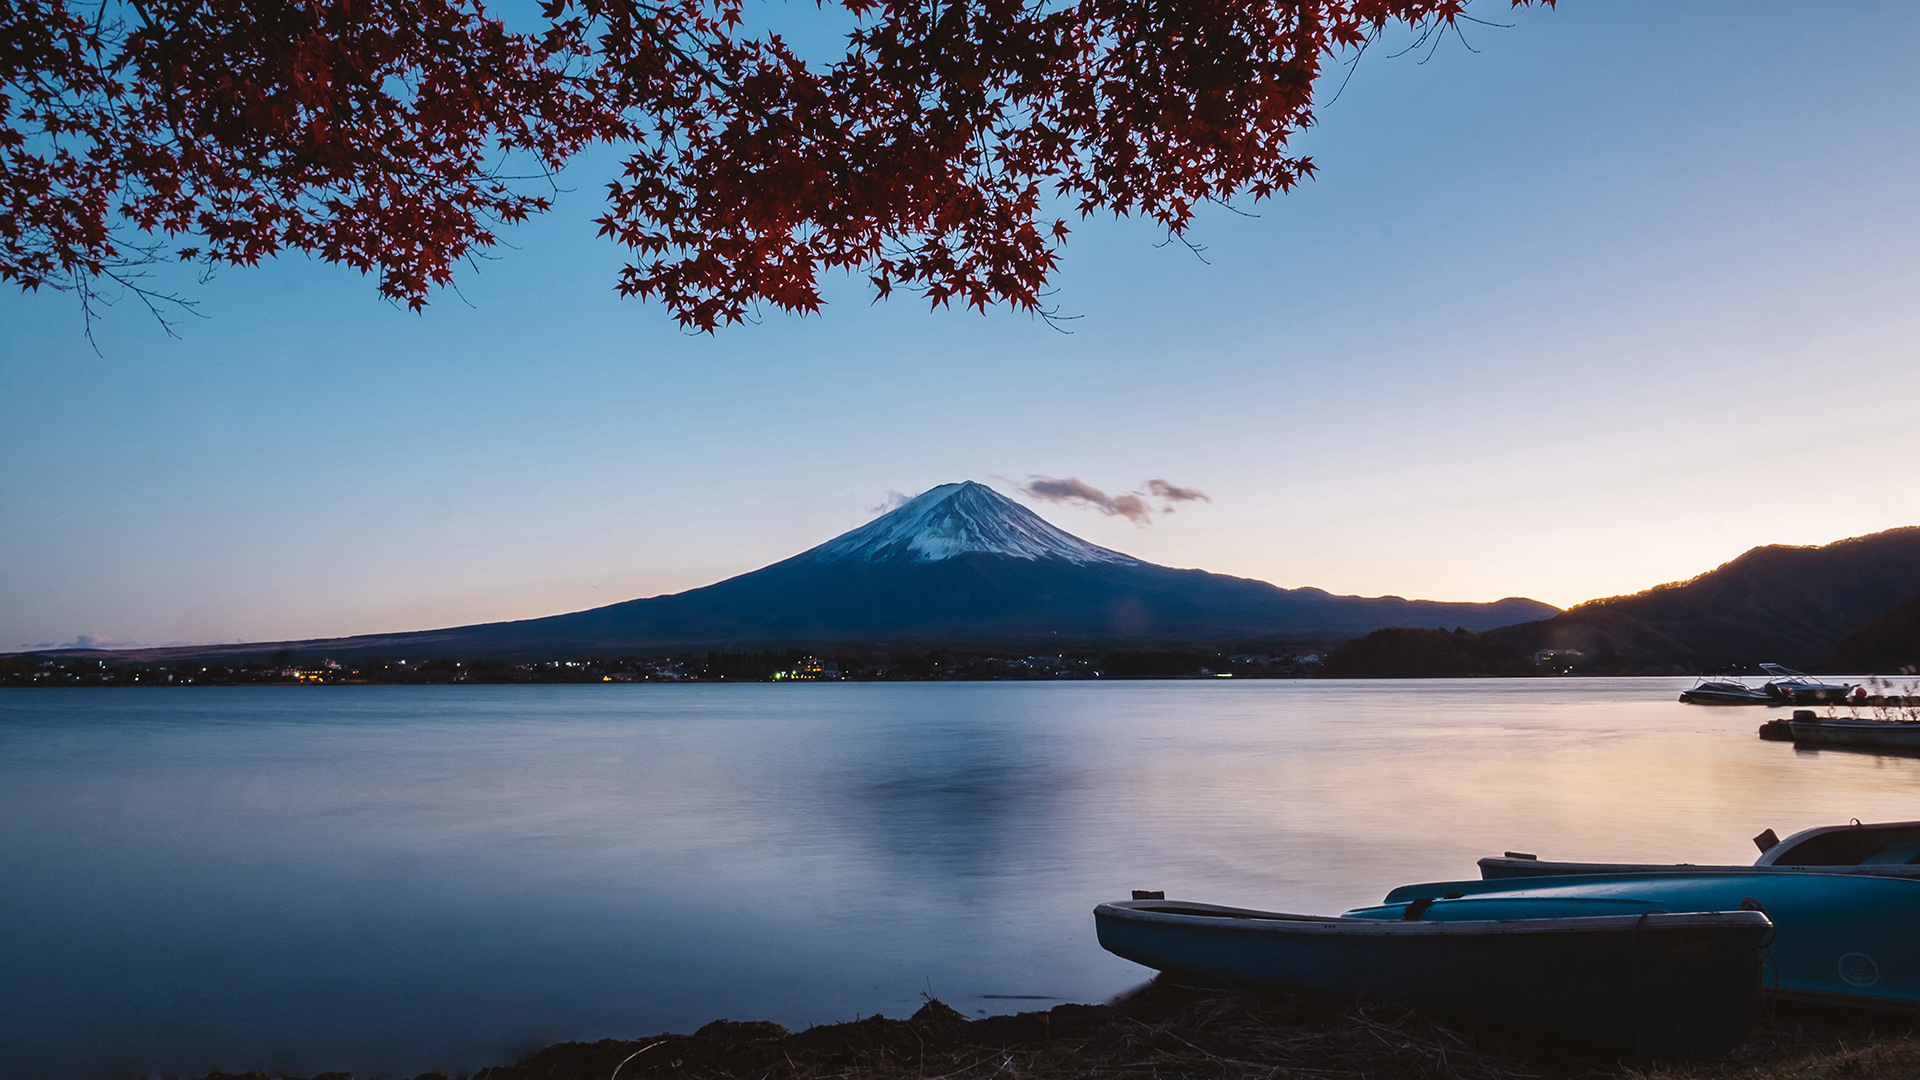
(1781, 604)
(958, 567)
(1888, 645)
(1405, 653)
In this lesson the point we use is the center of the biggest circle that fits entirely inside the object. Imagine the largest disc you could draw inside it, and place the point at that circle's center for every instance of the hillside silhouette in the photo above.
(1779, 603)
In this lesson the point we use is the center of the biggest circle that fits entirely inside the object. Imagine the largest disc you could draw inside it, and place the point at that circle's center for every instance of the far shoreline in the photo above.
(1386, 653)
(789, 666)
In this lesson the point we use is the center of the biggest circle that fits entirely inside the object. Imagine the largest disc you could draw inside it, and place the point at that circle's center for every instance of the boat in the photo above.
(1885, 849)
(1715, 689)
(1621, 977)
(1839, 939)
(1855, 733)
(1790, 687)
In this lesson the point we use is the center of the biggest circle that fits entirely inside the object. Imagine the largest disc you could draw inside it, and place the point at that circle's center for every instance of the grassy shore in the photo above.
(1167, 1032)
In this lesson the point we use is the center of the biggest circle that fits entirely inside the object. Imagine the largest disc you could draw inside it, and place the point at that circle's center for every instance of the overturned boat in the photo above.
(1620, 976)
(1843, 939)
(1884, 849)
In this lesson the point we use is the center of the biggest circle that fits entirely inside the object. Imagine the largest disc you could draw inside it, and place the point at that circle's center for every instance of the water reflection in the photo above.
(391, 880)
(953, 792)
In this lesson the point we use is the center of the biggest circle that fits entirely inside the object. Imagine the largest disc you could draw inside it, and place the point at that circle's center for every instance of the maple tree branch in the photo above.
(387, 135)
(157, 303)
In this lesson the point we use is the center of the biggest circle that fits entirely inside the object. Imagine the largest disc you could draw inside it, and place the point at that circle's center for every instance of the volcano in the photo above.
(959, 566)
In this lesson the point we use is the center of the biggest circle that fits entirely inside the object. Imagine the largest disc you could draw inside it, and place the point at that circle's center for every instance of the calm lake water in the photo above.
(389, 880)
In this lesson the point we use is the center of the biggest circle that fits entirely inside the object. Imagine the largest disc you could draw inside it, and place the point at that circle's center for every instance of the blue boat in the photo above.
(1846, 939)
(1887, 848)
(1611, 975)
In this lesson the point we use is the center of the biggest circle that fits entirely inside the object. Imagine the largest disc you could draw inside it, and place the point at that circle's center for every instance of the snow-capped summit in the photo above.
(958, 519)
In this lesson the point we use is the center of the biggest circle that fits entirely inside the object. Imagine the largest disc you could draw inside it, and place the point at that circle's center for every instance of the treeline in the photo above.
(1390, 653)
(794, 665)
(1403, 653)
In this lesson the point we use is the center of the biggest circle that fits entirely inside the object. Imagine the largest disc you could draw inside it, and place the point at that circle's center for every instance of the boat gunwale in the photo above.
(1862, 723)
(1549, 868)
(1768, 862)
(1190, 914)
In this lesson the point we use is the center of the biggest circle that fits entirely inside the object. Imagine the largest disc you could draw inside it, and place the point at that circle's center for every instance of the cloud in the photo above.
(80, 641)
(1131, 505)
(894, 501)
(1173, 493)
(1075, 490)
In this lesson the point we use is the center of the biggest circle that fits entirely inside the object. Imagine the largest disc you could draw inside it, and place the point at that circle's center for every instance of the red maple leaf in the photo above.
(394, 136)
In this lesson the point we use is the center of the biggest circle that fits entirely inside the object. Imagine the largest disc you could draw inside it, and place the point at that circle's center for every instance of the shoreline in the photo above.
(1164, 1031)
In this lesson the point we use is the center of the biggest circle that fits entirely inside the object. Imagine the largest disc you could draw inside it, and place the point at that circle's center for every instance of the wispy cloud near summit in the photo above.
(1173, 493)
(894, 501)
(1132, 505)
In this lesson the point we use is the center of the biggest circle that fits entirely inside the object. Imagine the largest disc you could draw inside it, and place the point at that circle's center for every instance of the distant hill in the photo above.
(1403, 653)
(960, 566)
(1788, 605)
(1888, 645)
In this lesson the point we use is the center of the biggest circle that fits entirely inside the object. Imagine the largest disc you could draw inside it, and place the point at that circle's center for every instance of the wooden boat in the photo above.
(1901, 736)
(1886, 849)
(1847, 939)
(1621, 977)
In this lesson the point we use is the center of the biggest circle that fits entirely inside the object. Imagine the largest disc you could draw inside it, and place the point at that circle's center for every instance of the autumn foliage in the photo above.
(940, 153)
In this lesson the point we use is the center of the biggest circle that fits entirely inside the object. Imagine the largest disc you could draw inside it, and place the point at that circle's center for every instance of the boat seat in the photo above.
(1895, 855)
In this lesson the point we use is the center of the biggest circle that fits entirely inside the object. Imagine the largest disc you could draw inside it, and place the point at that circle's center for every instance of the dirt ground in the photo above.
(1169, 1032)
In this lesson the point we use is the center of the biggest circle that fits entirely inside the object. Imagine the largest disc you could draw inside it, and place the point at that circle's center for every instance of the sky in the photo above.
(1627, 290)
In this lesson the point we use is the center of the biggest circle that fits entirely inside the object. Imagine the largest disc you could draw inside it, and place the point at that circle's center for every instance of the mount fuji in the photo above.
(957, 566)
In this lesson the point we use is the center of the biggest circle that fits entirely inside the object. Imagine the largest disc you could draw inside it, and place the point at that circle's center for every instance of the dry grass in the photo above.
(1163, 1033)
(1168, 1032)
(1810, 1044)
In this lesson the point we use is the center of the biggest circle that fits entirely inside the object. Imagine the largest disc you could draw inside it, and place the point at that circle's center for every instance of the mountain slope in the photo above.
(1789, 605)
(1887, 645)
(958, 566)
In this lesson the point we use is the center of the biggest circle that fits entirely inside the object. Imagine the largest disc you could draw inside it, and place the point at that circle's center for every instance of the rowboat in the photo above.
(1618, 976)
(1885, 849)
(1846, 939)
(1851, 733)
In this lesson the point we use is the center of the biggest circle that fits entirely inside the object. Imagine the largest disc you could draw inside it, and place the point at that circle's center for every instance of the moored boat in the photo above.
(1884, 849)
(1846, 939)
(1724, 690)
(1790, 687)
(1855, 733)
(1621, 976)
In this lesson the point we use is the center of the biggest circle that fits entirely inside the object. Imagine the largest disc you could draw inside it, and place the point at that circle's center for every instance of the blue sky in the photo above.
(1625, 292)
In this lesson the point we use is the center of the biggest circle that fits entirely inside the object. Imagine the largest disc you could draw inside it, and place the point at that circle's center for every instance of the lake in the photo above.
(390, 880)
